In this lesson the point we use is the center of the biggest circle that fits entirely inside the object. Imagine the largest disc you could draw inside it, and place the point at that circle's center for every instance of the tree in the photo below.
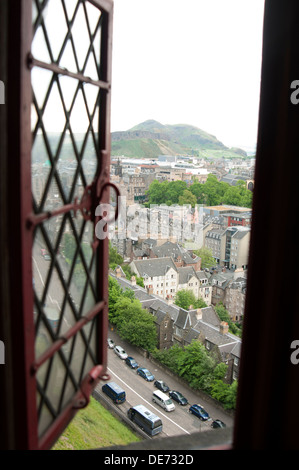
(69, 246)
(115, 294)
(134, 323)
(196, 366)
(165, 192)
(175, 190)
(206, 256)
(157, 192)
(198, 190)
(187, 198)
(223, 314)
(201, 369)
(225, 393)
(184, 298)
(140, 330)
(114, 257)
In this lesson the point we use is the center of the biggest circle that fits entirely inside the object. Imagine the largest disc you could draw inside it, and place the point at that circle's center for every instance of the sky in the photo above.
(194, 62)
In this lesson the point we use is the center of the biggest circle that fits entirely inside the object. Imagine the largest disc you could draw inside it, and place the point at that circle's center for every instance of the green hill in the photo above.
(150, 139)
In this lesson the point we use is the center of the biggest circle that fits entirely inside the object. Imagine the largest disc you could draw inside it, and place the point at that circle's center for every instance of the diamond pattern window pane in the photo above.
(65, 158)
(67, 32)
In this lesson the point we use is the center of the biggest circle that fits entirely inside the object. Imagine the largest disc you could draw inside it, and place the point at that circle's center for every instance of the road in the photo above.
(139, 391)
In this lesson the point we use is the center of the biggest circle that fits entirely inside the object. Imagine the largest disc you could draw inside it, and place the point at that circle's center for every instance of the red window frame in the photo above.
(23, 366)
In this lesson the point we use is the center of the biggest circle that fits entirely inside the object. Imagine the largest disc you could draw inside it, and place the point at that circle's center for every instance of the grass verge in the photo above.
(94, 427)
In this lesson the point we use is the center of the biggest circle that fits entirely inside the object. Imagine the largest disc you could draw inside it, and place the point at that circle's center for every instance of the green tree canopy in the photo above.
(134, 323)
(185, 298)
(187, 198)
(114, 257)
(201, 369)
(210, 193)
(206, 256)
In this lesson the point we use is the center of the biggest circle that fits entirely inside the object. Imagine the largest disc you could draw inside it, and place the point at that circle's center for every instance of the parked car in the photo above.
(178, 397)
(163, 400)
(161, 386)
(47, 257)
(120, 352)
(200, 412)
(110, 343)
(131, 362)
(217, 423)
(145, 374)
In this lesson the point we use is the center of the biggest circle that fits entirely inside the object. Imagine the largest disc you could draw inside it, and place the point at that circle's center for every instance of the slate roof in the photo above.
(225, 342)
(159, 304)
(185, 274)
(232, 179)
(208, 326)
(210, 316)
(239, 234)
(175, 251)
(154, 267)
(183, 320)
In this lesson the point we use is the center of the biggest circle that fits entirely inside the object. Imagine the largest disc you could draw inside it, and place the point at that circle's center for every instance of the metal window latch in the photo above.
(87, 206)
(95, 375)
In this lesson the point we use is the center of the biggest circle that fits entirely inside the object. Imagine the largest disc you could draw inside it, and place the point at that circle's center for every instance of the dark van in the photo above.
(115, 392)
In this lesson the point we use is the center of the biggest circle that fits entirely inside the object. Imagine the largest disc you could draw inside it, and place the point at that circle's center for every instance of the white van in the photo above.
(163, 400)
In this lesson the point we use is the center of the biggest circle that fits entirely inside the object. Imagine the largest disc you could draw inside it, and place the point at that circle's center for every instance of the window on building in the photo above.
(265, 350)
(61, 124)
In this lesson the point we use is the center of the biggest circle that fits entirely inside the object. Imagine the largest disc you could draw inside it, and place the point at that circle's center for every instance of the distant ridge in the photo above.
(151, 139)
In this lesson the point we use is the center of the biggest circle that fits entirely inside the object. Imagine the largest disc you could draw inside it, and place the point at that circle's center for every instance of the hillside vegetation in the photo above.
(150, 139)
(94, 427)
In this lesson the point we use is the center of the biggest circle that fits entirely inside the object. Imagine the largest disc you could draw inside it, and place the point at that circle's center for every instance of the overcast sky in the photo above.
(194, 62)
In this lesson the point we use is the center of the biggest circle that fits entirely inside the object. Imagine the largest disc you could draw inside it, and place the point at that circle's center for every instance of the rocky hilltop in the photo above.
(151, 139)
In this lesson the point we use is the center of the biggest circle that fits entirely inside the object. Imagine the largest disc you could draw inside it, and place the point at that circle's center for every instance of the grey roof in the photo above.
(186, 273)
(202, 275)
(225, 342)
(210, 316)
(150, 241)
(239, 234)
(174, 250)
(191, 334)
(232, 179)
(183, 320)
(227, 349)
(208, 326)
(160, 304)
(215, 233)
(139, 252)
(154, 267)
(223, 277)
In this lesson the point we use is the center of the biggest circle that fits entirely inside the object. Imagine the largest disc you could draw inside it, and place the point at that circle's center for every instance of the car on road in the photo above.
(47, 257)
(145, 374)
(120, 352)
(178, 397)
(161, 386)
(131, 362)
(163, 400)
(217, 423)
(110, 343)
(199, 411)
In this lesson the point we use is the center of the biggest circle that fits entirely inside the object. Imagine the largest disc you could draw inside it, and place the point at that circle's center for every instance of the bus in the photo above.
(115, 392)
(52, 315)
(145, 419)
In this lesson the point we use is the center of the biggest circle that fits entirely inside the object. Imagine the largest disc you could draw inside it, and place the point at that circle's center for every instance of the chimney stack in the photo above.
(133, 281)
(198, 314)
(223, 328)
(118, 272)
